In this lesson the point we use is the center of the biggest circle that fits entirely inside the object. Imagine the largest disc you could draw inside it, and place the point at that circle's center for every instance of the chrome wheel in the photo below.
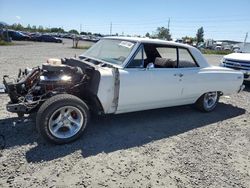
(66, 122)
(210, 99)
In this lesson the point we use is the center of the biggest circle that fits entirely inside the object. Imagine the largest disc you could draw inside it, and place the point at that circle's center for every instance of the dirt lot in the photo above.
(171, 147)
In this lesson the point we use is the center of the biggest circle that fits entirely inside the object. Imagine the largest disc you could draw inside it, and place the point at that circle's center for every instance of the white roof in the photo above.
(148, 40)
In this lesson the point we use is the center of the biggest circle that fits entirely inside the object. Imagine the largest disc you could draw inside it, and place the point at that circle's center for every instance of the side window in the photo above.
(138, 61)
(167, 59)
(185, 59)
(168, 53)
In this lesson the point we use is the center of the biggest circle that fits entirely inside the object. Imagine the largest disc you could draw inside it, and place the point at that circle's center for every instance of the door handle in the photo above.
(179, 74)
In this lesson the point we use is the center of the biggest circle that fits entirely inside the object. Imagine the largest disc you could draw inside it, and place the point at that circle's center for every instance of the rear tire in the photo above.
(207, 102)
(62, 118)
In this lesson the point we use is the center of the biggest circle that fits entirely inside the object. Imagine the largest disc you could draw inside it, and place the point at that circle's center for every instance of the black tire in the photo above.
(201, 106)
(49, 107)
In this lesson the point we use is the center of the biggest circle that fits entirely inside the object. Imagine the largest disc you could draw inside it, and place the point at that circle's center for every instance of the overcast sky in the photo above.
(221, 19)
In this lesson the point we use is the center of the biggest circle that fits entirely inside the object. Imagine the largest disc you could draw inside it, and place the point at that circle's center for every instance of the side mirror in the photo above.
(150, 66)
(2, 89)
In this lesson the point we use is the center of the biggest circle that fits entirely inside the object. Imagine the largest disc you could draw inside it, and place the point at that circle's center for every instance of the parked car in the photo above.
(117, 75)
(238, 61)
(16, 35)
(236, 49)
(46, 38)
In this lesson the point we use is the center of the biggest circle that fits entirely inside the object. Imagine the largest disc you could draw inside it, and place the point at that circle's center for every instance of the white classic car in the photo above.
(117, 75)
(238, 61)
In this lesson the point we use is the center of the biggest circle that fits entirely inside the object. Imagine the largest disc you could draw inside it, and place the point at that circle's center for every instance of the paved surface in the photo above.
(171, 147)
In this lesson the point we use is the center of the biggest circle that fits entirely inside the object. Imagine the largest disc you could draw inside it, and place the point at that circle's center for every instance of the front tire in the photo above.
(62, 118)
(207, 102)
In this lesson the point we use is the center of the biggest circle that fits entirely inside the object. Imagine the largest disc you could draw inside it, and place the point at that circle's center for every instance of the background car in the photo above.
(46, 38)
(16, 35)
(238, 61)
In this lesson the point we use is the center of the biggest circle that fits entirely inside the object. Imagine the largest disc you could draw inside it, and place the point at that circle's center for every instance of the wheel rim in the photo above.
(66, 122)
(210, 99)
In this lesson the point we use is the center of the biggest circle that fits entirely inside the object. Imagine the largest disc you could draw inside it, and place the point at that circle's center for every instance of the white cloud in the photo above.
(18, 17)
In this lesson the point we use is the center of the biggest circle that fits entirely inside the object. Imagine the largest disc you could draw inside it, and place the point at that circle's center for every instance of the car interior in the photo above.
(160, 56)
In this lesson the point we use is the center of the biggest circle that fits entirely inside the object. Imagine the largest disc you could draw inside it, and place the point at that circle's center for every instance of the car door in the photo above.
(193, 81)
(147, 88)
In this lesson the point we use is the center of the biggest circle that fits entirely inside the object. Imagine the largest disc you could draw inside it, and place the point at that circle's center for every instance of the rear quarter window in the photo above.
(185, 59)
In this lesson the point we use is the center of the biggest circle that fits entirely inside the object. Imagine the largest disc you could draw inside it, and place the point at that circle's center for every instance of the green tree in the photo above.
(56, 30)
(188, 39)
(40, 28)
(83, 33)
(163, 33)
(34, 28)
(28, 27)
(97, 34)
(73, 31)
(147, 35)
(18, 27)
(200, 35)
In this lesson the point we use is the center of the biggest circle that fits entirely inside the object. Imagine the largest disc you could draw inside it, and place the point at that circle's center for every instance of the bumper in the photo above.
(241, 88)
(245, 72)
(246, 75)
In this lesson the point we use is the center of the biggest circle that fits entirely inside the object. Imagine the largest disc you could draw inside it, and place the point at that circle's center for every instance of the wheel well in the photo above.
(220, 93)
(93, 102)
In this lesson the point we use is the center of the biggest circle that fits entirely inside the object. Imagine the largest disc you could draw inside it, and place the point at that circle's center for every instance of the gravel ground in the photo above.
(171, 147)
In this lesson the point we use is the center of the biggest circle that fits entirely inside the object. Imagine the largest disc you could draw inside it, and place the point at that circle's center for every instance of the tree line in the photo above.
(164, 33)
(41, 29)
(35, 28)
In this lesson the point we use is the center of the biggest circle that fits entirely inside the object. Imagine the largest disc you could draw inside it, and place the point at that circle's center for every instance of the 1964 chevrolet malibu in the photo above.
(117, 75)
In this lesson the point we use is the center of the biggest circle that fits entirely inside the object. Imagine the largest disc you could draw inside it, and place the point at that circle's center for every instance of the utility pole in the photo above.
(244, 44)
(246, 38)
(168, 23)
(80, 28)
(110, 32)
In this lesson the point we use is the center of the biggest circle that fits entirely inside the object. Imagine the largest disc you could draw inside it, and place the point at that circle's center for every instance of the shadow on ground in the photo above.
(116, 132)
(247, 86)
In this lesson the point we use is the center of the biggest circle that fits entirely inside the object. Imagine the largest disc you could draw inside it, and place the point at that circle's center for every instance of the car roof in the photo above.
(149, 41)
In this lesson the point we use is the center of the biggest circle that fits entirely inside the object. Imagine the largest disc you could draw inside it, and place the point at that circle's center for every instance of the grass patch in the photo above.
(82, 47)
(216, 52)
(4, 43)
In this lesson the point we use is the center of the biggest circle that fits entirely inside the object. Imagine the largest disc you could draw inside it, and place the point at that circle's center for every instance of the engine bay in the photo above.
(33, 86)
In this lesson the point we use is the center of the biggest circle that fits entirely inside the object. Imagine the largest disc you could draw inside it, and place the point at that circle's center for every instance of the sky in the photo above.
(221, 19)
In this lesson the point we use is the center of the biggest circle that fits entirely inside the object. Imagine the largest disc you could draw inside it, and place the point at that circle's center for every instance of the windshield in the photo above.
(111, 50)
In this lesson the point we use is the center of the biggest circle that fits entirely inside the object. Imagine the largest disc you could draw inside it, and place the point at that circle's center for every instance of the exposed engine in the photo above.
(34, 86)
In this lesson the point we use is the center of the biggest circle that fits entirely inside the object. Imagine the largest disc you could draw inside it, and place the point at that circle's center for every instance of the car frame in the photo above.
(117, 75)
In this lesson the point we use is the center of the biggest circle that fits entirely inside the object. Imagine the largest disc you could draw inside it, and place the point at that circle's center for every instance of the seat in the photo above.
(164, 63)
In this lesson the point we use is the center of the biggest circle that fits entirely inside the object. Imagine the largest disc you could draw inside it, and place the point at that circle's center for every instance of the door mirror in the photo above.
(150, 66)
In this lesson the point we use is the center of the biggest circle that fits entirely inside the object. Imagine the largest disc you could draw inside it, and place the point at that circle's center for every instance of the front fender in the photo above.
(108, 91)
